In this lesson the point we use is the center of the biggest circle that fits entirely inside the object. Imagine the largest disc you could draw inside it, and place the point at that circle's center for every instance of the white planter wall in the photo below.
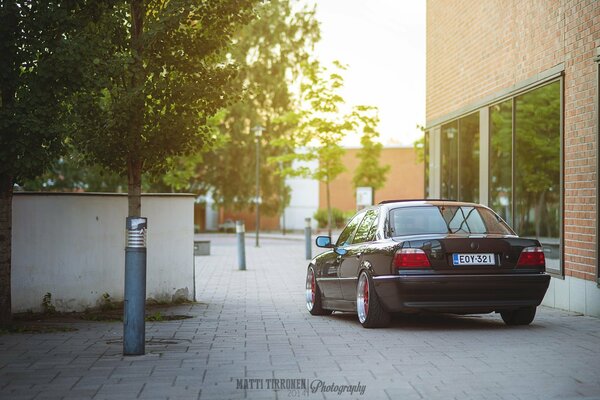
(73, 246)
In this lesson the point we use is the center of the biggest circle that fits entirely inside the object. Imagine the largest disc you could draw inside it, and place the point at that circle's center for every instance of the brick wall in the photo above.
(405, 180)
(478, 48)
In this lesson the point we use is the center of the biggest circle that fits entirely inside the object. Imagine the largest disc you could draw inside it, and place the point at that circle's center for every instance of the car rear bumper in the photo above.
(461, 293)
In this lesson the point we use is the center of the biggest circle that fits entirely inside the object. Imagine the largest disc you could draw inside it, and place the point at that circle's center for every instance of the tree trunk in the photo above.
(134, 187)
(6, 194)
(134, 162)
(329, 212)
(541, 204)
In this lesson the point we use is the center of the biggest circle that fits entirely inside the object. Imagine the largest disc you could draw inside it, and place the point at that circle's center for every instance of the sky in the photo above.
(383, 44)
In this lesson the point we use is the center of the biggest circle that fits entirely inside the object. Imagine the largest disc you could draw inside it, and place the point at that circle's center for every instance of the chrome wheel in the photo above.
(310, 289)
(314, 302)
(371, 313)
(362, 298)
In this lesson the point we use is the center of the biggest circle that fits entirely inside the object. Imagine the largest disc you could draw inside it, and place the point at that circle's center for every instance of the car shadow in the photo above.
(438, 321)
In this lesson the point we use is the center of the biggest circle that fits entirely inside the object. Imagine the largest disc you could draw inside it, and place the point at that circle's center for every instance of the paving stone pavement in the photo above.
(251, 328)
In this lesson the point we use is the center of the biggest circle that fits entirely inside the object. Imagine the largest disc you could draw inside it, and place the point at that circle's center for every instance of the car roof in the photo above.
(423, 202)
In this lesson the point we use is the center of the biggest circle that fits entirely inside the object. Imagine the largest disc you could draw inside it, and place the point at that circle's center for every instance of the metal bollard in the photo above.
(307, 238)
(134, 324)
(240, 231)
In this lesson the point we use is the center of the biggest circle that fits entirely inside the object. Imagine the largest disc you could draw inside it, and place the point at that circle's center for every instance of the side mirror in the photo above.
(324, 241)
(340, 251)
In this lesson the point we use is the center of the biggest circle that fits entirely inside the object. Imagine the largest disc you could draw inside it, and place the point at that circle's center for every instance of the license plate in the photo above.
(473, 259)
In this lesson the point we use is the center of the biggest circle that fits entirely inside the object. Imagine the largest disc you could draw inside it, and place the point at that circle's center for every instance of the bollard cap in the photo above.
(136, 232)
(240, 227)
(136, 223)
(307, 221)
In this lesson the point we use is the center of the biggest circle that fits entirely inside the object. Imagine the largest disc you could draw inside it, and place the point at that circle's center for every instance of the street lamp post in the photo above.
(258, 130)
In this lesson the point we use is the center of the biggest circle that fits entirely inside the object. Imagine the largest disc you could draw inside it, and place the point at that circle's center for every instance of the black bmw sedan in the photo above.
(440, 256)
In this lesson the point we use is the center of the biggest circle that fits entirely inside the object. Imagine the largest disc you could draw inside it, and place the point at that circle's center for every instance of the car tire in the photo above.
(371, 313)
(313, 294)
(521, 316)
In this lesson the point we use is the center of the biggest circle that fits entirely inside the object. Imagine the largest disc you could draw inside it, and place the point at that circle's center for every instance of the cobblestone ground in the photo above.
(251, 334)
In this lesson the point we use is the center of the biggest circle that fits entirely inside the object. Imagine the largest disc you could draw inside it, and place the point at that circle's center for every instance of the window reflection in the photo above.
(460, 159)
(537, 166)
(468, 170)
(365, 231)
(346, 234)
(501, 159)
(449, 172)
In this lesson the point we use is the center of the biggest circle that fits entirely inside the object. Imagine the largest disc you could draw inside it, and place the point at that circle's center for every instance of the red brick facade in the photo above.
(476, 49)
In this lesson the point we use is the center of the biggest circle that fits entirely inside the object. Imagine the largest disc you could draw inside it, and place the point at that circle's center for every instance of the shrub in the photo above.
(339, 217)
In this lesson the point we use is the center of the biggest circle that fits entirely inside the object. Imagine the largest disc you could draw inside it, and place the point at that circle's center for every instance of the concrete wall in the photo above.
(72, 245)
(573, 294)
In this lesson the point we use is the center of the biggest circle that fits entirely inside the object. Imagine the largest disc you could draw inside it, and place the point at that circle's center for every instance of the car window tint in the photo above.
(466, 220)
(346, 234)
(445, 219)
(365, 231)
(416, 220)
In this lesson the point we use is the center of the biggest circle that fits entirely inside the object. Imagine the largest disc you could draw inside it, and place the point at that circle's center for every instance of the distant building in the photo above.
(512, 122)
(405, 180)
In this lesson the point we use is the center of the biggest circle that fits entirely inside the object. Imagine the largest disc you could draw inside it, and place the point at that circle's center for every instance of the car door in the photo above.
(350, 262)
(329, 281)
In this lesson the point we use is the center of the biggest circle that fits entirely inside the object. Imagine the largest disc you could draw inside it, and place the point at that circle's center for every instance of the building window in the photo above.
(460, 159)
(537, 163)
(449, 170)
(525, 166)
(468, 156)
(500, 182)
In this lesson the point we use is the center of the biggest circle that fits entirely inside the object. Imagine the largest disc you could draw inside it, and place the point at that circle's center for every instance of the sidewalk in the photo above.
(251, 333)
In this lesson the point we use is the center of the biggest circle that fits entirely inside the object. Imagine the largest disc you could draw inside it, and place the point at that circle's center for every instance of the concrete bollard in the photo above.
(240, 231)
(307, 238)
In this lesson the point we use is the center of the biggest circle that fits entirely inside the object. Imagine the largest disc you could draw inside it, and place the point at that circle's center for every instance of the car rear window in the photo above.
(445, 219)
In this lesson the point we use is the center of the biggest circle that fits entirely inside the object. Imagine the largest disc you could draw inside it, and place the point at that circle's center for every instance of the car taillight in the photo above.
(532, 257)
(411, 258)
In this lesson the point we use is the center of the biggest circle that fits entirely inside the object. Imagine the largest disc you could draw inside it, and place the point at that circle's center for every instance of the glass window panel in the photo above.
(468, 168)
(445, 219)
(501, 160)
(537, 168)
(363, 233)
(346, 235)
(449, 172)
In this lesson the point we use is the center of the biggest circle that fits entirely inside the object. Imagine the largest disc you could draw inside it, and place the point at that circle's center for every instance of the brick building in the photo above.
(512, 122)
(403, 181)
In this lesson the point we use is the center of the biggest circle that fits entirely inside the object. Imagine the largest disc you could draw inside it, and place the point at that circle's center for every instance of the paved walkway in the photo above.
(251, 333)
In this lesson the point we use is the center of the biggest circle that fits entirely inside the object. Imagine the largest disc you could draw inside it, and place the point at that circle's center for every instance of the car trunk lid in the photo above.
(456, 253)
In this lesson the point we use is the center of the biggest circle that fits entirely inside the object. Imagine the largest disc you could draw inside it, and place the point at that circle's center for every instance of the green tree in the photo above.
(42, 53)
(270, 50)
(369, 172)
(161, 73)
(321, 128)
(69, 173)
